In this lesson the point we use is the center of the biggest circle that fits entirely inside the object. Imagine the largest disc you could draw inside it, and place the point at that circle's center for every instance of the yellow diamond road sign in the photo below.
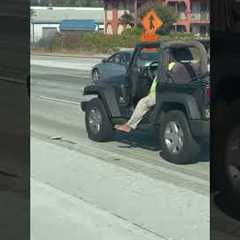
(151, 22)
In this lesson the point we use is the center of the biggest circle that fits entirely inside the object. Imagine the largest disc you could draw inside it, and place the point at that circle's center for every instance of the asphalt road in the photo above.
(57, 121)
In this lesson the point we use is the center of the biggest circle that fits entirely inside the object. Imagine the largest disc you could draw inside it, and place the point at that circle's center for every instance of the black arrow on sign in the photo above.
(151, 22)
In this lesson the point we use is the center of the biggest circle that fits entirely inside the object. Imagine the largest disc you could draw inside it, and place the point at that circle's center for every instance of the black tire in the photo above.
(96, 76)
(189, 148)
(102, 131)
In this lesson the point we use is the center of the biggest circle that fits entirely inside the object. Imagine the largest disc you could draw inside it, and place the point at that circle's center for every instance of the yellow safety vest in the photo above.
(154, 84)
(171, 65)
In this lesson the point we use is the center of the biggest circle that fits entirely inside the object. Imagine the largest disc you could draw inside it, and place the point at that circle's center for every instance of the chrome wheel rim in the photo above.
(173, 137)
(95, 120)
(233, 158)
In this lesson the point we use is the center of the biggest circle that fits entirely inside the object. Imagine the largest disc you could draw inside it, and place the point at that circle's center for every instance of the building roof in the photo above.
(77, 25)
(58, 14)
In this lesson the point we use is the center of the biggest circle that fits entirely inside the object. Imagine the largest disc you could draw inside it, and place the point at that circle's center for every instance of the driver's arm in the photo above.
(153, 86)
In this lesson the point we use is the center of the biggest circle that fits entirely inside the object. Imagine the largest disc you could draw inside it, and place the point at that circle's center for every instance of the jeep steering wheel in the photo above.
(144, 85)
(150, 70)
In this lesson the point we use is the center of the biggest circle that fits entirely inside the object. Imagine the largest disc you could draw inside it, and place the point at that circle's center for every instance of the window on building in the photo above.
(173, 28)
(204, 7)
(172, 5)
(181, 28)
(203, 30)
(181, 7)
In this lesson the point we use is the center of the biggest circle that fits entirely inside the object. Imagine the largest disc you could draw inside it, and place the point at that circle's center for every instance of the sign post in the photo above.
(151, 23)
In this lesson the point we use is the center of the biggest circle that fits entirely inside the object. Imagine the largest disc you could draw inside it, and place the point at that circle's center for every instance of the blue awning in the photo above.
(77, 25)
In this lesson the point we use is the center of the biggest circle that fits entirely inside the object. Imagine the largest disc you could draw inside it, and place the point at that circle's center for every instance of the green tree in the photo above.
(126, 19)
(167, 15)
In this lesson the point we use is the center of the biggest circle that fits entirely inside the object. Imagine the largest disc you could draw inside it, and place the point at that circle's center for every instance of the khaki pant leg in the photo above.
(141, 109)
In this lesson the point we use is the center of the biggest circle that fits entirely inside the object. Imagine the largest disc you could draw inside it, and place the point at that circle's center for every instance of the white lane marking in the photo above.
(79, 76)
(82, 74)
(59, 100)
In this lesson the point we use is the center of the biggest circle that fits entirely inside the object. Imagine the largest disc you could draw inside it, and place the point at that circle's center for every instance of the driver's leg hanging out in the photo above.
(143, 106)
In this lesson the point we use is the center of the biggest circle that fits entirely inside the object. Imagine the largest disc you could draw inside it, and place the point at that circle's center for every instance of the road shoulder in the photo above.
(142, 201)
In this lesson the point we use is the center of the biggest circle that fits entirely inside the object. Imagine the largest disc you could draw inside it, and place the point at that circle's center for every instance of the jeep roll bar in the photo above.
(165, 56)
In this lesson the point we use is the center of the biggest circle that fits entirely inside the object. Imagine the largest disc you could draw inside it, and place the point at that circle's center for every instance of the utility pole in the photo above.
(135, 11)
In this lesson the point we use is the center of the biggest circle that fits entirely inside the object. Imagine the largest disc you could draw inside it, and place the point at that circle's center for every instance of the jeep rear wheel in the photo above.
(176, 141)
(98, 124)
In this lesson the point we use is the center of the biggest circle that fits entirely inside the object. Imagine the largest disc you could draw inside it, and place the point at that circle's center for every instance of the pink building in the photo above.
(193, 14)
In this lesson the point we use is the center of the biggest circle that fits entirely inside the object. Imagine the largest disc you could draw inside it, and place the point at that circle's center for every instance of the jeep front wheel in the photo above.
(98, 124)
(176, 141)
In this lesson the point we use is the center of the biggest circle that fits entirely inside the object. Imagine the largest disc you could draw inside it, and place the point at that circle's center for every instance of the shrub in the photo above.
(135, 31)
(177, 36)
(101, 43)
(92, 42)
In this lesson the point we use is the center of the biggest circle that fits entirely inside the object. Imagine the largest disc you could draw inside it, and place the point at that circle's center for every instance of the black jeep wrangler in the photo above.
(181, 114)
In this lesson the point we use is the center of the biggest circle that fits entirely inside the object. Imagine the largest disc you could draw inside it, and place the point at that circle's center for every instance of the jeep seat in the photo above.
(180, 74)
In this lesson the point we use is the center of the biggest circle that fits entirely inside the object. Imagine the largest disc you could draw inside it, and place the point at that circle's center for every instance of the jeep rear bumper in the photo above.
(200, 129)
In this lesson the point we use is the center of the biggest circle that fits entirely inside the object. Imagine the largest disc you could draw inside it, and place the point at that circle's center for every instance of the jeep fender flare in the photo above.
(165, 101)
(108, 96)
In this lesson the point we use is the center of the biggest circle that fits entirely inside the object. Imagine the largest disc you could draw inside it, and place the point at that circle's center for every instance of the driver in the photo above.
(143, 106)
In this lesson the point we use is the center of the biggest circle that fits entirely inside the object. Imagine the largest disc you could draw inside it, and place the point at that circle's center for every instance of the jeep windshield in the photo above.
(147, 56)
